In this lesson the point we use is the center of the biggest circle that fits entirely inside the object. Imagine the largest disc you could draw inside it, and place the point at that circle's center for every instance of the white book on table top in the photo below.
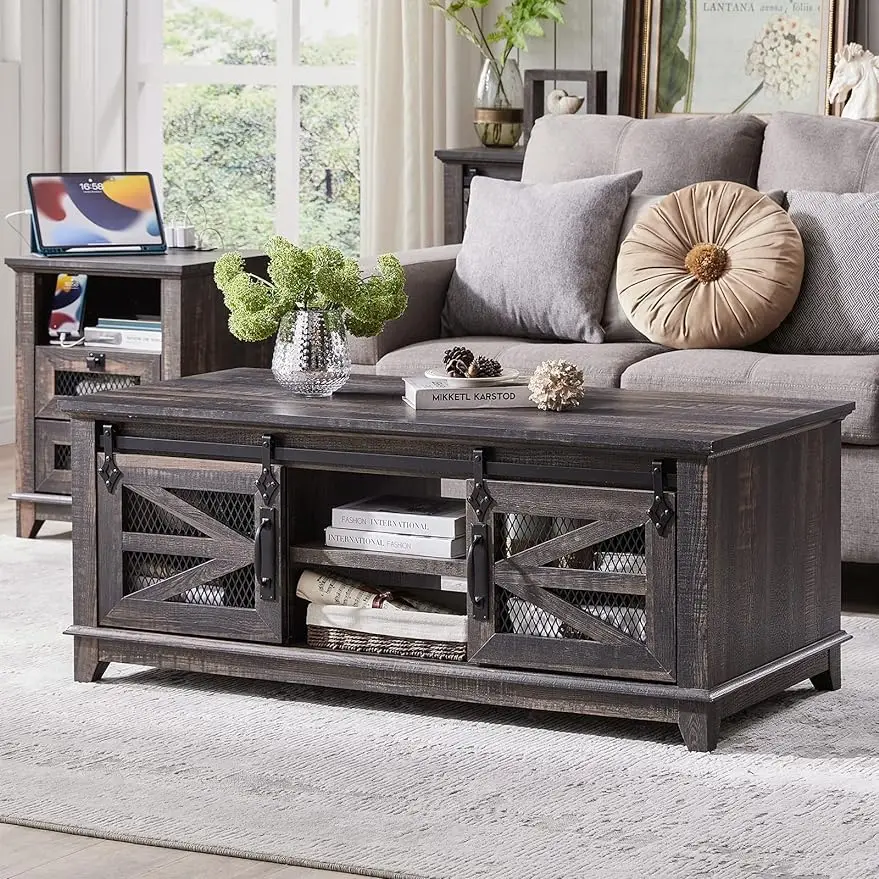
(430, 393)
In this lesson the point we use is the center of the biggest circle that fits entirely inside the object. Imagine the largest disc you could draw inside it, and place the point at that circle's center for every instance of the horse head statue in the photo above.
(857, 73)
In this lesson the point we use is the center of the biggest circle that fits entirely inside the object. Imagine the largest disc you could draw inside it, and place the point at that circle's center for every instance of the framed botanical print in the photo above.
(731, 56)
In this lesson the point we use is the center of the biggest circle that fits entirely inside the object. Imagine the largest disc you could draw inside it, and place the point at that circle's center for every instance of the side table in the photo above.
(178, 287)
(459, 169)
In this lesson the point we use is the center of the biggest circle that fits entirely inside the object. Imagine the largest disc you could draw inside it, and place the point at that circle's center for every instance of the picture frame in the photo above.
(595, 82)
(683, 57)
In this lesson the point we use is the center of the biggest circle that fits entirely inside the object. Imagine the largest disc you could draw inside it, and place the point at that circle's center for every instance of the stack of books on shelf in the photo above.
(438, 393)
(432, 527)
(134, 335)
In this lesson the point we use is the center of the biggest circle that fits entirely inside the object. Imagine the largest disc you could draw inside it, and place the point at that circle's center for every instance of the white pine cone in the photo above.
(556, 385)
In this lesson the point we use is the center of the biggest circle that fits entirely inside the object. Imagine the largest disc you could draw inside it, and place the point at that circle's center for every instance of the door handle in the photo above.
(264, 554)
(477, 572)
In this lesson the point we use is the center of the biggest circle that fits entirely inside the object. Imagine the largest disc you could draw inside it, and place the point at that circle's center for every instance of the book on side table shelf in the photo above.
(135, 335)
(437, 393)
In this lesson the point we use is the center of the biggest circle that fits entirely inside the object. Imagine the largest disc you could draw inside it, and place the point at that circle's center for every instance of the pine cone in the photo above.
(457, 360)
(484, 367)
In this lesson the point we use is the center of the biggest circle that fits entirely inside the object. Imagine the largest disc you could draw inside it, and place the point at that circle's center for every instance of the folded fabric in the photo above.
(537, 258)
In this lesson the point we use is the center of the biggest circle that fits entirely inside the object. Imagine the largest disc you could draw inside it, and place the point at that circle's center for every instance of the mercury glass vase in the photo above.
(500, 104)
(311, 353)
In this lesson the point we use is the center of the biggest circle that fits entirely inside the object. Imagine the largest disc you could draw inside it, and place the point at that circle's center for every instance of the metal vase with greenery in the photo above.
(311, 300)
(500, 95)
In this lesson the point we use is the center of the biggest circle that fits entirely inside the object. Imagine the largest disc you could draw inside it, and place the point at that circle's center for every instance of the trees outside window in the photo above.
(248, 113)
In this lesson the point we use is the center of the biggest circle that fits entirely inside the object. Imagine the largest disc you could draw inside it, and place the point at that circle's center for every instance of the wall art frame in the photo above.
(684, 57)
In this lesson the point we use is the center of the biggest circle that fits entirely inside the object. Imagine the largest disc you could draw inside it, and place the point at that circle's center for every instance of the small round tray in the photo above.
(507, 375)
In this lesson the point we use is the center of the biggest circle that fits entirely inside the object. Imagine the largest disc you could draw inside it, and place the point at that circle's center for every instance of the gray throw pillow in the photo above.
(536, 258)
(837, 310)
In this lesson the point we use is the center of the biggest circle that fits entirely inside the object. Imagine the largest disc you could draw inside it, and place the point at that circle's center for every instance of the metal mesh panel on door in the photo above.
(144, 517)
(233, 510)
(74, 384)
(61, 457)
(622, 554)
(626, 613)
(144, 569)
(516, 532)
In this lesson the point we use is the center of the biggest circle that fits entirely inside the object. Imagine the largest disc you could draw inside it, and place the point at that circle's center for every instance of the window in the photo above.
(248, 115)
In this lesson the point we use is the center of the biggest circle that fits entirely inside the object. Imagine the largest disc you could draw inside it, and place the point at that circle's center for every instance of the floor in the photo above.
(39, 854)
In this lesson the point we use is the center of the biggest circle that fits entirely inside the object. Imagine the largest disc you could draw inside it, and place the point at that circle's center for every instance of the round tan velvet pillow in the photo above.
(715, 265)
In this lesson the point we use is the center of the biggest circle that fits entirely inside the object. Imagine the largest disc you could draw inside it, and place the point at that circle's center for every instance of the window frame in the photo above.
(146, 74)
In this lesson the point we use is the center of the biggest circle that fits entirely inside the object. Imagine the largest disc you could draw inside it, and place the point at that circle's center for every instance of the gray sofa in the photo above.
(789, 152)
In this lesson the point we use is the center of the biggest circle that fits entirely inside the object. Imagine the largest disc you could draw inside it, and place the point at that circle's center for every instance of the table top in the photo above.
(172, 264)
(667, 424)
(483, 155)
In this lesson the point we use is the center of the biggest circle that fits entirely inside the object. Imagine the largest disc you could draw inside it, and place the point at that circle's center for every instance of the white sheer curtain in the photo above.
(418, 81)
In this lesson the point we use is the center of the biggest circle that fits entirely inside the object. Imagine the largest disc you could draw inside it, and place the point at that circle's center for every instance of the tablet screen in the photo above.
(95, 210)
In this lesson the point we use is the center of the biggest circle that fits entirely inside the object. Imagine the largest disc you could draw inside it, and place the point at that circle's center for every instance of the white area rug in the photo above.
(389, 786)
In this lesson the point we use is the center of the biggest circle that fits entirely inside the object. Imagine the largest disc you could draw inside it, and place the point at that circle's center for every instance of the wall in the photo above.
(868, 25)
(30, 137)
(591, 39)
(9, 241)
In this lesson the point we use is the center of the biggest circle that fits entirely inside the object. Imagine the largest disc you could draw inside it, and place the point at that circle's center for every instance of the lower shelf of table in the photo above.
(320, 555)
(464, 682)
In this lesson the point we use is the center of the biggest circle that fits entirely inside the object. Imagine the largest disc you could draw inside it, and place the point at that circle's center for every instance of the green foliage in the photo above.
(673, 81)
(220, 140)
(319, 277)
(519, 21)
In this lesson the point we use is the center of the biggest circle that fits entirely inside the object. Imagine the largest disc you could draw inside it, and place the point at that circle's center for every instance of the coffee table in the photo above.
(666, 557)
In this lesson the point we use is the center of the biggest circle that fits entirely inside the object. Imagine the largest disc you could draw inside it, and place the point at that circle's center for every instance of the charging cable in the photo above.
(188, 235)
(15, 228)
(63, 343)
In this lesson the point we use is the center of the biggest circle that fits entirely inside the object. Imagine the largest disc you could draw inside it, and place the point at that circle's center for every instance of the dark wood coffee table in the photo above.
(671, 558)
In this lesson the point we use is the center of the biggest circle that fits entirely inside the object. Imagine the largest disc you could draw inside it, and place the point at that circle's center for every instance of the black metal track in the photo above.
(418, 466)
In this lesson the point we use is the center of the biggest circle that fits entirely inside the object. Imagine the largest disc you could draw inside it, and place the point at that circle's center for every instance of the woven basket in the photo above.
(381, 645)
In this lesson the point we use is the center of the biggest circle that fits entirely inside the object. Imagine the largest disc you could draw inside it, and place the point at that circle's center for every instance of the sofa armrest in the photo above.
(428, 272)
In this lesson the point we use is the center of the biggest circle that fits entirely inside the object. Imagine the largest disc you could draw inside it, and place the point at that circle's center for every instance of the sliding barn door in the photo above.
(577, 579)
(191, 550)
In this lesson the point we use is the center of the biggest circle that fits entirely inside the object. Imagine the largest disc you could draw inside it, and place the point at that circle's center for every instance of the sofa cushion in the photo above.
(602, 365)
(536, 259)
(714, 265)
(672, 152)
(860, 512)
(752, 374)
(838, 307)
(820, 153)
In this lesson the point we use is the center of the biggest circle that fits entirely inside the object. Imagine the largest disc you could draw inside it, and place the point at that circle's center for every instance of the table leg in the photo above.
(700, 729)
(87, 668)
(832, 678)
